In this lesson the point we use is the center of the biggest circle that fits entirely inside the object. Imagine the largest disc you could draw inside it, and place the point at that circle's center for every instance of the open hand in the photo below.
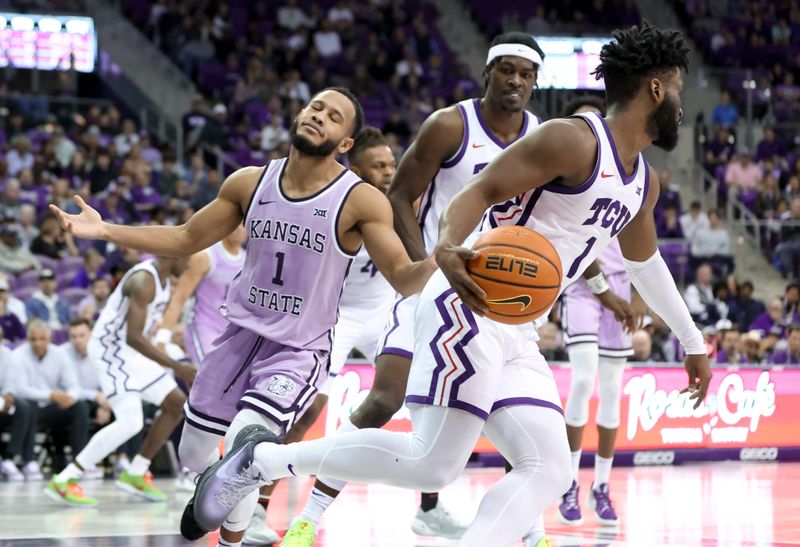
(88, 224)
(699, 371)
(452, 261)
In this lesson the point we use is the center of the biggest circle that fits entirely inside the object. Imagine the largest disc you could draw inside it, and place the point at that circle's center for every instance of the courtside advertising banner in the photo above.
(744, 408)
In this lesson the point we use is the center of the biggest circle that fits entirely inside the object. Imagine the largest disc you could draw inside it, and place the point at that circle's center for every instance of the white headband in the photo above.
(517, 50)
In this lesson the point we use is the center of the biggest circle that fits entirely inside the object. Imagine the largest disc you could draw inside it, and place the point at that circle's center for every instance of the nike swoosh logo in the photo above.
(524, 300)
(262, 202)
(606, 175)
(478, 145)
(291, 469)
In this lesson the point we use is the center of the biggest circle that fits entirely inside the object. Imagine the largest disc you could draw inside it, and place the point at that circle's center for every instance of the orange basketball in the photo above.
(520, 271)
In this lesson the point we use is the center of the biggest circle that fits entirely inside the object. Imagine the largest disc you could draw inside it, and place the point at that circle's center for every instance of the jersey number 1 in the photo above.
(573, 269)
(278, 279)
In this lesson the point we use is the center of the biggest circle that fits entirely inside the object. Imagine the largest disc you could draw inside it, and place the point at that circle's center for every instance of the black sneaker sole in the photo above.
(189, 528)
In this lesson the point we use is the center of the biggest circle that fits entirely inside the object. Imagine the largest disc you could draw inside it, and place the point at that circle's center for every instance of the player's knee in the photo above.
(438, 475)
(173, 403)
(378, 408)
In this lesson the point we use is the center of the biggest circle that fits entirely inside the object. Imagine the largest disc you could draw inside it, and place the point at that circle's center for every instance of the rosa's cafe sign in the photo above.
(743, 409)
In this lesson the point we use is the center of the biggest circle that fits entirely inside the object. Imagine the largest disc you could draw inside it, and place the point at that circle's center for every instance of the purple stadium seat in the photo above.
(60, 336)
(47, 262)
(73, 295)
(27, 280)
(23, 293)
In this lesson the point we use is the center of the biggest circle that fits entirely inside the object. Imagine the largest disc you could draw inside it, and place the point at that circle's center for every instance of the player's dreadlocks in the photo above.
(367, 138)
(636, 54)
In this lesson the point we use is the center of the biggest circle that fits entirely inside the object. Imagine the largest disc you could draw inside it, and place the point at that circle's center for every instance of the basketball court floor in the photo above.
(721, 504)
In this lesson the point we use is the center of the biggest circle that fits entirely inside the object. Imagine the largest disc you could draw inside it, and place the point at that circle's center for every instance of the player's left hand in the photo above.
(452, 260)
(699, 371)
(620, 307)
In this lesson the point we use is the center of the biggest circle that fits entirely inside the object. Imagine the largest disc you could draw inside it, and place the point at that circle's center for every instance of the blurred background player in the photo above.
(453, 144)
(593, 336)
(366, 300)
(131, 370)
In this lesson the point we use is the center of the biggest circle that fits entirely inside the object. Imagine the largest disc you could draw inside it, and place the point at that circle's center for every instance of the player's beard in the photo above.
(305, 146)
(665, 122)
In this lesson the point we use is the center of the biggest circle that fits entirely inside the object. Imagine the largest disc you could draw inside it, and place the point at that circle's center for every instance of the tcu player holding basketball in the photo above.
(306, 217)
(453, 144)
(580, 183)
(594, 337)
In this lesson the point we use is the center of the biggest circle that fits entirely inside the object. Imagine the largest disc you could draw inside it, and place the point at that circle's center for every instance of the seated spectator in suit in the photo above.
(45, 304)
(46, 377)
(91, 270)
(791, 355)
(699, 297)
(94, 302)
(17, 416)
(12, 326)
(14, 258)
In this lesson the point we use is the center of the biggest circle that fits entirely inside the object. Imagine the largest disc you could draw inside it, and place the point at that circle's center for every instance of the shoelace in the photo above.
(235, 488)
(603, 501)
(572, 497)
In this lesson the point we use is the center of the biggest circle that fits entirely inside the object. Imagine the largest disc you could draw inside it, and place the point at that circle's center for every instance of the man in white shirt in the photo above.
(699, 295)
(712, 244)
(43, 375)
(327, 40)
(274, 134)
(17, 416)
(693, 220)
(292, 17)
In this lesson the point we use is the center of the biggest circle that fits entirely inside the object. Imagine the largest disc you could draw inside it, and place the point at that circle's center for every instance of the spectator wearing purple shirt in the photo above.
(770, 146)
(791, 355)
(669, 227)
(110, 206)
(10, 324)
(719, 150)
(145, 198)
(29, 192)
(728, 338)
(91, 270)
(774, 316)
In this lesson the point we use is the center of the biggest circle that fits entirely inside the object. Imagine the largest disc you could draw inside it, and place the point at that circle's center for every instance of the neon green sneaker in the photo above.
(140, 485)
(301, 534)
(544, 542)
(69, 493)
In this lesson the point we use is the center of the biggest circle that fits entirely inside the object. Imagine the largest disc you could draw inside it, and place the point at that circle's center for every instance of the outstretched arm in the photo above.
(384, 245)
(439, 138)
(207, 226)
(656, 286)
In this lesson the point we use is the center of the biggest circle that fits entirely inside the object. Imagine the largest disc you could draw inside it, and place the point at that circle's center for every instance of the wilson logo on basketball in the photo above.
(523, 300)
(506, 263)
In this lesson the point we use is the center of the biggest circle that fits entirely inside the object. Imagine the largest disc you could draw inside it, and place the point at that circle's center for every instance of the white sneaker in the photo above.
(92, 474)
(438, 522)
(10, 471)
(32, 471)
(257, 532)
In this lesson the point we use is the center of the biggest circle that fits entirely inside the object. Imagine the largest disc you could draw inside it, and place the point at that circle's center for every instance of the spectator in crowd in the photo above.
(215, 132)
(13, 328)
(27, 229)
(46, 378)
(670, 227)
(292, 17)
(14, 258)
(13, 304)
(63, 146)
(668, 196)
(102, 173)
(788, 251)
(770, 146)
(45, 304)
(76, 351)
(10, 203)
(725, 113)
(18, 417)
(791, 300)
(699, 297)
(53, 242)
(773, 316)
(719, 150)
(750, 348)
(327, 40)
(693, 220)
(93, 303)
(769, 194)
(742, 174)
(20, 156)
(30, 192)
(712, 244)
(111, 206)
(207, 190)
(169, 175)
(728, 337)
(791, 355)
(91, 269)
(746, 309)
(550, 343)
(274, 134)
(194, 120)
(642, 347)
(125, 140)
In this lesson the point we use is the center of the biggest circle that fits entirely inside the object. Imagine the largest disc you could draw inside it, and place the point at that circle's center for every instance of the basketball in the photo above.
(520, 271)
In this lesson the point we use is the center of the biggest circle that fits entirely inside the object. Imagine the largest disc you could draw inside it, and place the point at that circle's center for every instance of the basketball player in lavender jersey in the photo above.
(306, 216)
(580, 182)
(207, 278)
(598, 345)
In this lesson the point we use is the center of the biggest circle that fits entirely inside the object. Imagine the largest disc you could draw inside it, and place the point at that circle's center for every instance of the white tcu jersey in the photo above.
(365, 288)
(112, 323)
(580, 221)
(478, 147)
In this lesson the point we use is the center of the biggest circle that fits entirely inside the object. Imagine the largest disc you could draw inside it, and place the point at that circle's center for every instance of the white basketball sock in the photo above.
(602, 470)
(315, 506)
(576, 462)
(70, 472)
(139, 466)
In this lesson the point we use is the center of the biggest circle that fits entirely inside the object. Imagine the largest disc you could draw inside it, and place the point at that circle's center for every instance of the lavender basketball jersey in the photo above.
(206, 320)
(294, 269)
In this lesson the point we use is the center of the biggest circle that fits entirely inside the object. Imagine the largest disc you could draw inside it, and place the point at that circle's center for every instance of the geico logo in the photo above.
(664, 457)
(766, 453)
